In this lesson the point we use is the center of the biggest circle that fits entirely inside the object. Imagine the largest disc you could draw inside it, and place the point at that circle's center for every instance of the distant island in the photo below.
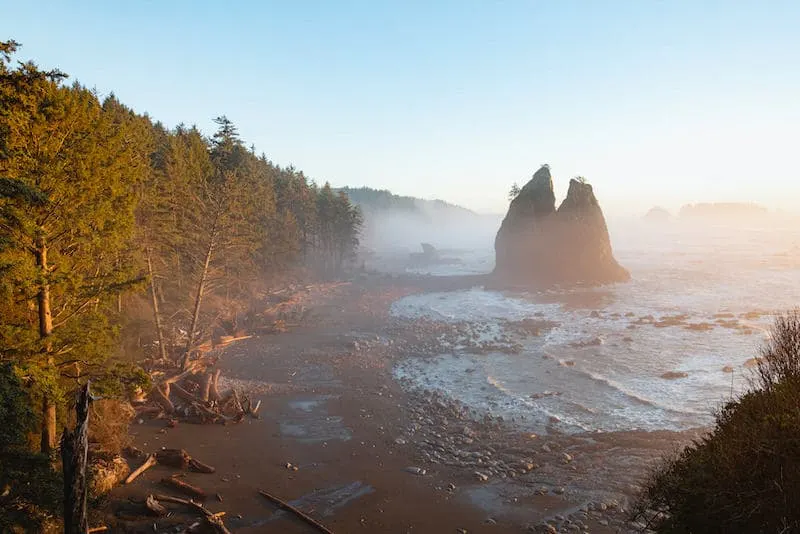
(724, 211)
(657, 214)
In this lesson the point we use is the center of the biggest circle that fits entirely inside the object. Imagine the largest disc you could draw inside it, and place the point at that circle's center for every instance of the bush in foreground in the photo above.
(745, 475)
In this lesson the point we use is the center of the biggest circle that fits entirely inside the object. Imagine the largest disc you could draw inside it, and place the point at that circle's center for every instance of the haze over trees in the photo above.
(104, 213)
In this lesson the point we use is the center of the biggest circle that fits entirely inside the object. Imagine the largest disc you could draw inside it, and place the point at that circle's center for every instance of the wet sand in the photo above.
(331, 408)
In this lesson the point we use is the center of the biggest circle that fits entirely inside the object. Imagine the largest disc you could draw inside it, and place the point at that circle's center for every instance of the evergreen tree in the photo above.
(68, 170)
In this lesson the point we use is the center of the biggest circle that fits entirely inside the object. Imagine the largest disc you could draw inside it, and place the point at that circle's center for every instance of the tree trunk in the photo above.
(74, 453)
(48, 443)
(199, 296)
(156, 314)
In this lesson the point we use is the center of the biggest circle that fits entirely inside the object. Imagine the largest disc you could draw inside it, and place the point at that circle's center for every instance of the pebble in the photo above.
(415, 470)
(481, 476)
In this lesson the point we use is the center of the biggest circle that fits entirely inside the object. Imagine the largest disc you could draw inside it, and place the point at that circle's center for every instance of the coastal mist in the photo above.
(662, 351)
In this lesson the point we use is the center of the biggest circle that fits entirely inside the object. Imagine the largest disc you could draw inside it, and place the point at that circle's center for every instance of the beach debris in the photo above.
(566, 457)
(289, 508)
(415, 470)
(214, 520)
(192, 395)
(184, 487)
(149, 462)
(155, 507)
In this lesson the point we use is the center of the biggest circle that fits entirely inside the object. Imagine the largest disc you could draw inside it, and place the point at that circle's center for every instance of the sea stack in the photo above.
(540, 246)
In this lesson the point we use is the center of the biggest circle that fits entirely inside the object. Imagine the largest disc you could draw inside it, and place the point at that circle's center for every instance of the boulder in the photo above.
(540, 246)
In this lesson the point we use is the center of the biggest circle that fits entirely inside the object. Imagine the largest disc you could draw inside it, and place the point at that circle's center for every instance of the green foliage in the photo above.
(70, 165)
(98, 203)
(514, 191)
(30, 493)
(16, 415)
(745, 475)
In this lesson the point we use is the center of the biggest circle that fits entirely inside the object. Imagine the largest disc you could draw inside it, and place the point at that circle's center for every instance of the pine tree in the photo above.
(68, 166)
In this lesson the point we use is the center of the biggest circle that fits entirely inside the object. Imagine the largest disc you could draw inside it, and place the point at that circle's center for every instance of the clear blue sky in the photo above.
(653, 102)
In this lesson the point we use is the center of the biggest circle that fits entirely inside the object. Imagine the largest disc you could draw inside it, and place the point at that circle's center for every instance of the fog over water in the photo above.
(698, 306)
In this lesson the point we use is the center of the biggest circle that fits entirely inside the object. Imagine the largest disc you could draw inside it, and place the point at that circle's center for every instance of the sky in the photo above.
(653, 102)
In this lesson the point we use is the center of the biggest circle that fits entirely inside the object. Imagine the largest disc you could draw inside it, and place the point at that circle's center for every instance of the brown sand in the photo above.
(331, 408)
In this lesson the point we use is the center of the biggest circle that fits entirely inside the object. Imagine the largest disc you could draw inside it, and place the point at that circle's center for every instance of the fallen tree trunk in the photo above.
(288, 507)
(74, 455)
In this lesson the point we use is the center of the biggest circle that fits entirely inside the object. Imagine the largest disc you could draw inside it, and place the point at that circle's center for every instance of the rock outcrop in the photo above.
(540, 246)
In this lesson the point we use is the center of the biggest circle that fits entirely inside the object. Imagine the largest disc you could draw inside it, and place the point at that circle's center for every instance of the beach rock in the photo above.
(415, 470)
(538, 245)
(673, 375)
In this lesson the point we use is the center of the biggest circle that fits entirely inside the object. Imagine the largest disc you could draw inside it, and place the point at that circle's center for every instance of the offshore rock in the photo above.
(541, 246)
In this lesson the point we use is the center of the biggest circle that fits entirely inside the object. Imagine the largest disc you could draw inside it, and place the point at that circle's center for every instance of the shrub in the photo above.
(745, 475)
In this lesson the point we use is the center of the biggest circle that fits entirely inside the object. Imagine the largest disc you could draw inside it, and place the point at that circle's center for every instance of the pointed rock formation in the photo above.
(539, 246)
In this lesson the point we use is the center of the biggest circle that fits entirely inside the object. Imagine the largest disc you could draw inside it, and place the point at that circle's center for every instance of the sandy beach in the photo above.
(340, 439)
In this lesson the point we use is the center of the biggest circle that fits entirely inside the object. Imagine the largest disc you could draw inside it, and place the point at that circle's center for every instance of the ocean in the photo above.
(698, 307)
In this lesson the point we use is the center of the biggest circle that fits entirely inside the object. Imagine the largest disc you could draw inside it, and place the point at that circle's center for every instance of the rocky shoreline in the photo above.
(420, 462)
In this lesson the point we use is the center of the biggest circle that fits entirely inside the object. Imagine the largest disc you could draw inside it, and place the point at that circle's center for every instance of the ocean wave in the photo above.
(632, 395)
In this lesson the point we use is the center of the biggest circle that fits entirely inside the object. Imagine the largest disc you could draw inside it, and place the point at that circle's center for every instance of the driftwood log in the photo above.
(149, 462)
(154, 506)
(185, 395)
(184, 487)
(200, 467)
(208, 380)
(177, 458)
(162, 398)
(214, 520)
(254, 411)
(289, 508)
(213, 393)
(74, 455)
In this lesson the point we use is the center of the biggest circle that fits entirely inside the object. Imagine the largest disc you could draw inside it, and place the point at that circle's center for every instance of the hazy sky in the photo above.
(653, 102)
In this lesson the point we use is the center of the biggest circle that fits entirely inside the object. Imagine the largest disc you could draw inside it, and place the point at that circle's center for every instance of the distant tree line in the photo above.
(380, 200)
(101, 206)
